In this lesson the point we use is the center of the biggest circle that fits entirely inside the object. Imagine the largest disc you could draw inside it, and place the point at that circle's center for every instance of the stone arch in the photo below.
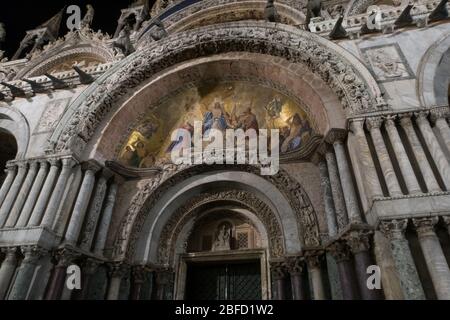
(344, 73)
(13, 122)
(434, 73)
(192, 209)
(294, 198)
(204, 13)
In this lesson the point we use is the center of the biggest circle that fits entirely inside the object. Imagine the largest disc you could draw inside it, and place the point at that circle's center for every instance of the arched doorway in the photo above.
(8, 151)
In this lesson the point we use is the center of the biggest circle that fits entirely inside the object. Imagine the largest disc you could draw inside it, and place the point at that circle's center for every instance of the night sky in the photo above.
(22, 15)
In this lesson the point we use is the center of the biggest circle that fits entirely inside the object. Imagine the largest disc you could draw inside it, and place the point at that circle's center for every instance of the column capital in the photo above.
(357, 125)
(33, 164)
(138, 273)
(336, 136)
(68, 163)
(32, 253)
(439, 113)
(389, 120)
(405, 118)
(358, 240)
(278, 269)
(314, 259)
(164, 275)
(9, 251)
(89, 266)
(394, 229)
(118, 269)
(22, 165)
(295, 264)
(374, 123)
(421, 116)
(10, 167)
(446, 220)
(339, 250)
(54, 162)
(425, 225)
(65, 257)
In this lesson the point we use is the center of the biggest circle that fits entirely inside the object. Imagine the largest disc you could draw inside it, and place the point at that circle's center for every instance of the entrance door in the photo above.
(230, 281)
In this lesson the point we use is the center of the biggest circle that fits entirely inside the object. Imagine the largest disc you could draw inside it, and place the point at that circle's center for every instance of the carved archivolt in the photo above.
(345, 75)
(193, 208)
(171, 175)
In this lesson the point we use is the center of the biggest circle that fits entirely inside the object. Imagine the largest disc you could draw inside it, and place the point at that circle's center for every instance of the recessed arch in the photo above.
(14, 123)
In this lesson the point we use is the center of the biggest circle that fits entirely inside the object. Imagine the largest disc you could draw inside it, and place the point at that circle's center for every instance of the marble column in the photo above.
(116, 273)
(58, 191)
(371, 181)
(439, 119)
(296, 270)
(95, 209)
(314, 261)
(10, 175)
(402, 158)
(33, 195)
(336, 189)
(105, 220)
(404, 262)
(7, 269)
(22, 196)
(81, 204)
(434, 256)
(340, 252)
(137, 281)
(373, 125)
(12, 193)
(359, 244)
(279, 274)
(25, 273)
(419, 153)
(164, 278)
(64, 258)
(44, 195)
(434, 147)
(88, 269)
(328, 198)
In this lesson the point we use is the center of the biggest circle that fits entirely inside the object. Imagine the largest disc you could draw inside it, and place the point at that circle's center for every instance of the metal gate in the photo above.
(224, 282)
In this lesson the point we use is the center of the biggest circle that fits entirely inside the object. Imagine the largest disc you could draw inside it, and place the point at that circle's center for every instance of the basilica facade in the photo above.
(360, 205)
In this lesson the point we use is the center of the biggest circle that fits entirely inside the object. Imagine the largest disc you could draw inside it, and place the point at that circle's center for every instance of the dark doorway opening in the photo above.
(224, 281)
(8, 151)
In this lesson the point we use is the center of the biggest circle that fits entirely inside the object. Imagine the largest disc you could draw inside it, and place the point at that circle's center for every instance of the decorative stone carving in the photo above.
(339, 250)
(172, 175)
(88, 17)
(51, 115)
(425, 225)
(284, 41)
(188, 211)
(314, 259)
(295, 265)
(278, 270)
(359, 240)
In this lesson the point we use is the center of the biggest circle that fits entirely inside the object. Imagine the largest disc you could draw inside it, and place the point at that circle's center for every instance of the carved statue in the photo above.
(270, 12)
(88, 18)
(160, 31)
(223, 237)
(123, 42)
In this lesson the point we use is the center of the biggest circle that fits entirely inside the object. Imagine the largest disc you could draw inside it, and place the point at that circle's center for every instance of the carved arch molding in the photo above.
(133, 222)
(193, 209)
(344, 73)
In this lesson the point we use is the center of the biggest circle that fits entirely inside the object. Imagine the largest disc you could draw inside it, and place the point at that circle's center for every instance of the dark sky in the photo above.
(22, 15)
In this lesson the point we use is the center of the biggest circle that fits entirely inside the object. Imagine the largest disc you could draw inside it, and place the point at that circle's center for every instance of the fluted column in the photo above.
(404, 262)
(64, 258)
(81, 204)
(33, 195)
(359, 244)
(432, 143)
(45, 193)
(402, 158)
(22, 196)
(341, 254)
(371, 181)
(434, 256)
(439, 118)
(137, 281)
(279, 274)
(295, 268)
(25, 274)
(7, 269)
(336, 189)
(351, 201)
(328, 198)
(105, 220)
(374, 124)
(419, 153)
(10, 175)
(55, 200)
(314, 261)
(116, 273)
(12, 193)
(95, 209)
